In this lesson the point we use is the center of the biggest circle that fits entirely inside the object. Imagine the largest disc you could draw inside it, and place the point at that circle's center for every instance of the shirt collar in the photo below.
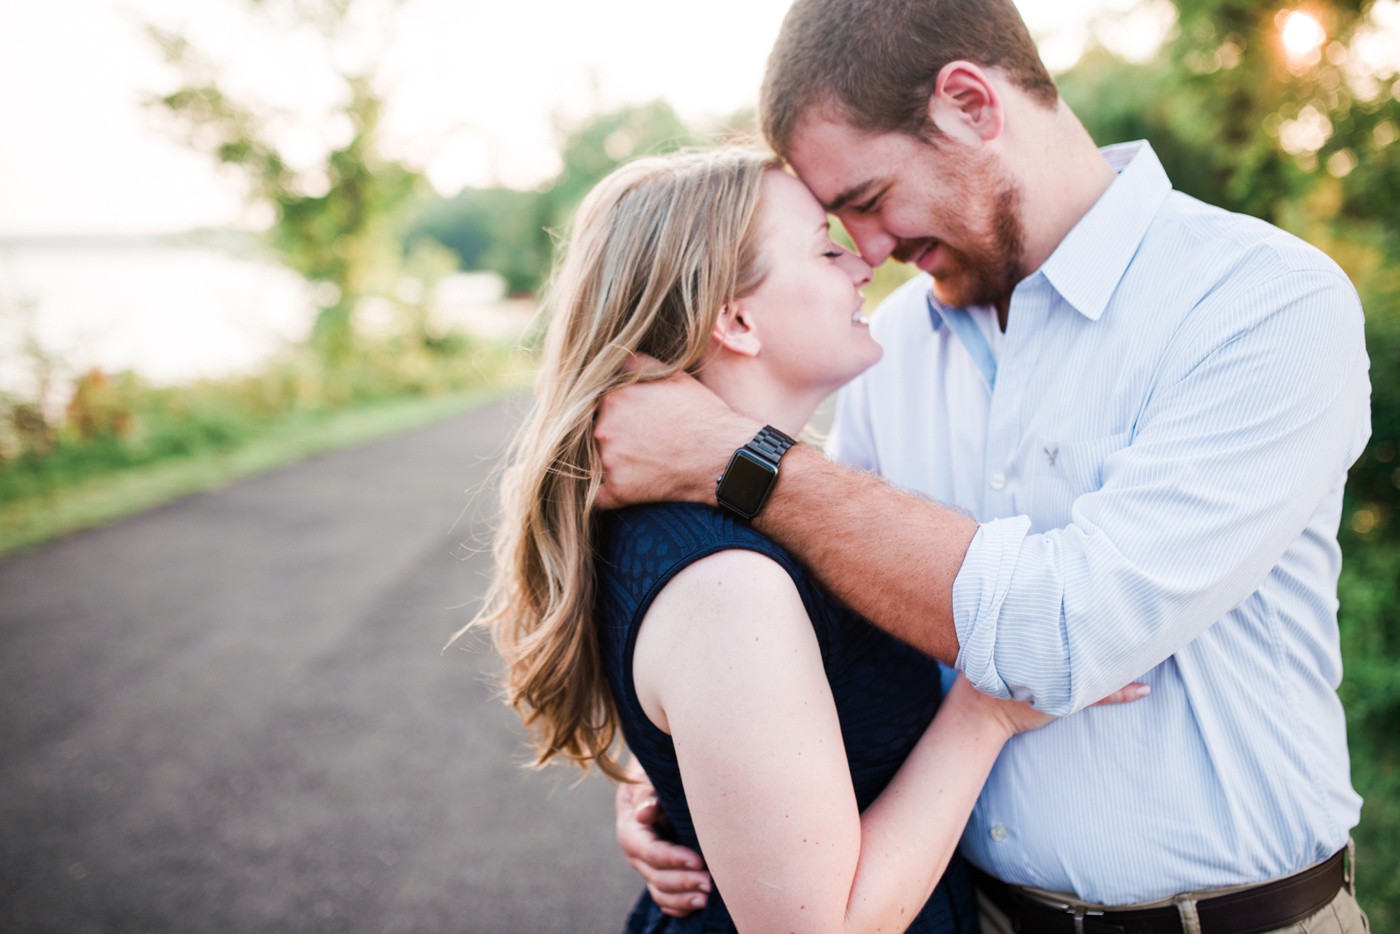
(1091, 260)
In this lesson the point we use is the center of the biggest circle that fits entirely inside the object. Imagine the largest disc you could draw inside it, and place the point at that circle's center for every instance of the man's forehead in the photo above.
(827, 156)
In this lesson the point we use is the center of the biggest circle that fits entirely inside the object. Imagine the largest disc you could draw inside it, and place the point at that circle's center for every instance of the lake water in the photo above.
(177, 313)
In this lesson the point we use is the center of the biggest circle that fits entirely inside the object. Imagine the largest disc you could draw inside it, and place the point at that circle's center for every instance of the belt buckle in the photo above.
(1079, 914)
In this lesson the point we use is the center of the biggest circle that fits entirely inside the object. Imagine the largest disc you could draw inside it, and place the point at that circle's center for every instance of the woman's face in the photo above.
(807, 314)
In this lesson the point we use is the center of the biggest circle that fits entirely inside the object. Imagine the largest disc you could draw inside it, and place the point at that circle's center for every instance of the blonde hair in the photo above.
(657, 248)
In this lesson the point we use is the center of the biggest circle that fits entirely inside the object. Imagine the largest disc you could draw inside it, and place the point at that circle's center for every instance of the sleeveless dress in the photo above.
(886, 692)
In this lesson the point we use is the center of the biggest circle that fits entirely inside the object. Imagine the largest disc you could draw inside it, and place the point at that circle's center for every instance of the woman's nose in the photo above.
(856, 267)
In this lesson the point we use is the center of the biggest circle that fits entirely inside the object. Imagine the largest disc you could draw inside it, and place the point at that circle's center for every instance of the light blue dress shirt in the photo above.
(1156, 450)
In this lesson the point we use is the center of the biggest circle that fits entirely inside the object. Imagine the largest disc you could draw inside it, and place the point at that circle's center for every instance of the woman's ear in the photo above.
(966, 105)
(734, 329)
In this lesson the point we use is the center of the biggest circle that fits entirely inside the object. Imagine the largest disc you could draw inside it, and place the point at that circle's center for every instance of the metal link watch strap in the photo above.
(770, 444)
(744, 486)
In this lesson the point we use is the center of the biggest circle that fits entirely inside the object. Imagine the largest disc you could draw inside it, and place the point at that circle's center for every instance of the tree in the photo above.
(1292, 135)
(514, 232)
(340, 223)
(496, 229)
(593, 147)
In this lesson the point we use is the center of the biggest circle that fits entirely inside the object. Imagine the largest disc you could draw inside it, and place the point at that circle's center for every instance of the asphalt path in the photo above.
(231, 714)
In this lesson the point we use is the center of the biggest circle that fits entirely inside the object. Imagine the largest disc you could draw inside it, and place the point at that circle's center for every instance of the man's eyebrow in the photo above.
(847, 196)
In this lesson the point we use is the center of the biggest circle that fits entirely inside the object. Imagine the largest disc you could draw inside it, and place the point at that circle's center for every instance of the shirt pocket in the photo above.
(1066, 470)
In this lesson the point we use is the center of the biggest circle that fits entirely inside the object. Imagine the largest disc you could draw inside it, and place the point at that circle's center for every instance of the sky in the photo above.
(473, 85)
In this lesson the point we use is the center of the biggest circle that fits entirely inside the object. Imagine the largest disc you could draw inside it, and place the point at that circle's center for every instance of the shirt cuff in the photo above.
(981, 586)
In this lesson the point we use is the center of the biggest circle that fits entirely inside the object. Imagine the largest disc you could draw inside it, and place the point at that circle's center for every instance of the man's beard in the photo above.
(988, 273)
(986, 269)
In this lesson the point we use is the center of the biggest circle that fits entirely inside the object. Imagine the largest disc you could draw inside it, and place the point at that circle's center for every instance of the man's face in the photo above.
(950, 210)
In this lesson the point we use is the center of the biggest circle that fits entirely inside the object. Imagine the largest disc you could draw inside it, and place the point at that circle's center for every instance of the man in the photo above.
(1147, 406)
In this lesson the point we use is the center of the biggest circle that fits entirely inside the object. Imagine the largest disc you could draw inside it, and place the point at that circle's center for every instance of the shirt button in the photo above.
(998, 480)
(998, 832)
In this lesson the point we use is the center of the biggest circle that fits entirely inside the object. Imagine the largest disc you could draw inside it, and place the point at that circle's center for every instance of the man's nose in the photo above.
(874, 244)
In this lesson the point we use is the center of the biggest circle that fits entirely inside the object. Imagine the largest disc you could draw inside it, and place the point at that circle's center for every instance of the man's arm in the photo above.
(891, 556)
(1254, 420)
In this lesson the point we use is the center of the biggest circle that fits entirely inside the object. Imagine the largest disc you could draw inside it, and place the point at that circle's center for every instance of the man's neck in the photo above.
(1062, 175)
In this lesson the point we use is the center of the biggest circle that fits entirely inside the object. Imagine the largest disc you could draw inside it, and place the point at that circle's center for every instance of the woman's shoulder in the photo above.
(656, 535)
(642, 549)
(683, 522)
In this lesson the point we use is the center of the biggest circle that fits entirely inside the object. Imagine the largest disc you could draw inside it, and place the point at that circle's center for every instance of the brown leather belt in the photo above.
(1265, 907)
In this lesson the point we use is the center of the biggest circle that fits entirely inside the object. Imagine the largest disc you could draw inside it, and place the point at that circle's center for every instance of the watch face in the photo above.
(746, 484)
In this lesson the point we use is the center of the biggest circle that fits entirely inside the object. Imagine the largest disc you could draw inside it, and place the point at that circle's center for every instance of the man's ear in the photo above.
(965, 104)
(734, 330)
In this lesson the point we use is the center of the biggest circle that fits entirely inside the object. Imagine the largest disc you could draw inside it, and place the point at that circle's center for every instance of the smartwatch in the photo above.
(744, 486)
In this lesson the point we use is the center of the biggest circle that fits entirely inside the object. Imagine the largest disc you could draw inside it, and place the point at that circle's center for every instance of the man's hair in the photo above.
(877, 61)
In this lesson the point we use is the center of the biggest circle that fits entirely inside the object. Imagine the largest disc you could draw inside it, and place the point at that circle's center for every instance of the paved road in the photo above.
(230, 714)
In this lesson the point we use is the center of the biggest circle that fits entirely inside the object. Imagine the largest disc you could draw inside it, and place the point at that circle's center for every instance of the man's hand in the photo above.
(675, 876)
(665, 440)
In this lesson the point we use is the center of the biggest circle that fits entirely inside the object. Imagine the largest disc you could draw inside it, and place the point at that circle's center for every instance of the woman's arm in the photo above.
(728, 664)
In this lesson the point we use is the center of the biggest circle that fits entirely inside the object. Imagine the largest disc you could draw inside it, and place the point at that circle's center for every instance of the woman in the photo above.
(789, 740)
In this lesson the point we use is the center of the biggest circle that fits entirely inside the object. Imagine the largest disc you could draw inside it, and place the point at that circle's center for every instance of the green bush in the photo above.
(118, 422)
(1369, 594)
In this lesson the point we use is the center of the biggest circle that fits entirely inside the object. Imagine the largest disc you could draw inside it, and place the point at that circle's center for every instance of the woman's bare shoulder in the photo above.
(731, 592)
(731, 610)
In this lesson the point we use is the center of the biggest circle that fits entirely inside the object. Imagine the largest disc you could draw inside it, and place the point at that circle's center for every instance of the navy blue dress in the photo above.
(886, 692)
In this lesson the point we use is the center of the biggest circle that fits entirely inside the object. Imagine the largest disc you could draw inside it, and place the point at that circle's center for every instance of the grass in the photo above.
(99, 500)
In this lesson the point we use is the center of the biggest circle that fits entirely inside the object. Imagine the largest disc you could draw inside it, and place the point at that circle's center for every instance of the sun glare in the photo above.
(1302, 34)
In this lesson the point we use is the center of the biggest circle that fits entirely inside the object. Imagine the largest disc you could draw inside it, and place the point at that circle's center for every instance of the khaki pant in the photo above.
(1342, 915)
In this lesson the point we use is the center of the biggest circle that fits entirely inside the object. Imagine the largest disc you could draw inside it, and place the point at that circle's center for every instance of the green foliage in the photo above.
(26, 423)
(512, 232)
(339, 222)
(1223, 103)
(115, 423)
(1371, 695)
(97, 497)
(594, 147)
(1369, 592)
(496, 229)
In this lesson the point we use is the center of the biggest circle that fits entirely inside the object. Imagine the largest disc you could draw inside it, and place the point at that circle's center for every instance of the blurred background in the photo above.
(291, 225)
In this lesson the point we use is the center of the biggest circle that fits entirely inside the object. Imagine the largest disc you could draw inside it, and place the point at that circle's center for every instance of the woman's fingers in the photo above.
(1130, 692)
(677, 892)
(639, 818)
(674, 875)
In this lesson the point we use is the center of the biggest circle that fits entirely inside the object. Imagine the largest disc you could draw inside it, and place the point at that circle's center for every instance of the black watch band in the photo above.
(744, 486)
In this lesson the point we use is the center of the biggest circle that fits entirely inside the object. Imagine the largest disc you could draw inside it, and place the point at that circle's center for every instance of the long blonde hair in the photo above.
(657, 248)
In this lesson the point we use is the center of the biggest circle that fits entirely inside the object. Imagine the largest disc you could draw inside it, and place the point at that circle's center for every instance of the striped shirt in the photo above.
(1155, 450)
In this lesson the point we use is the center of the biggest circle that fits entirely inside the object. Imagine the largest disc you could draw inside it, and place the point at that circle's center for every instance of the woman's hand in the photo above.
(1018, 716)
(674, 875)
